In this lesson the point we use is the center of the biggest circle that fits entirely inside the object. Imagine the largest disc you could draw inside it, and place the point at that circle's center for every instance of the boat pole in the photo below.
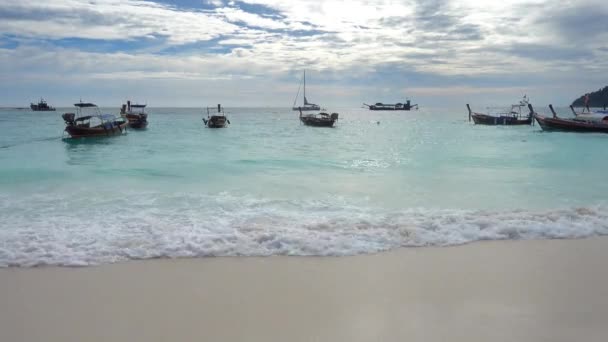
(469, 108)
(553, 111)
(531, 110)
(531, 115)
(573, 111)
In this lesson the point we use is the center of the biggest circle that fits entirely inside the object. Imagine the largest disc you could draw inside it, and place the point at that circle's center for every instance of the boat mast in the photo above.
(305, 87)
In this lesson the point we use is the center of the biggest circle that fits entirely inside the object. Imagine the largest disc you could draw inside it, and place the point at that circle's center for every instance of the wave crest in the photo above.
(84, 230)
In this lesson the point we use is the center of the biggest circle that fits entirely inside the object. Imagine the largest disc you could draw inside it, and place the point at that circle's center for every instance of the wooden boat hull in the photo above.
(139, 124)
(570, 125)
(136, 121)
(78, 131)
(484, 119)
(216, 121)
(317, 122)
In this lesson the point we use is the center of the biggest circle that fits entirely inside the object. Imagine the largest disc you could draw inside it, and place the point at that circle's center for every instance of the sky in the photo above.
(193, 53)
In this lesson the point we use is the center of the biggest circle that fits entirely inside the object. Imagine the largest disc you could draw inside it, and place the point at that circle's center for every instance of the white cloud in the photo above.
(426, 41)
(108, 19)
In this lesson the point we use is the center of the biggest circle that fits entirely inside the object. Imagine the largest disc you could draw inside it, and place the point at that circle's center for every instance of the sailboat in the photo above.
(306, 106)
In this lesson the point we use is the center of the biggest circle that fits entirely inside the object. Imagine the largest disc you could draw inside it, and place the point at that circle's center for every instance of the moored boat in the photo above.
(306, 106)
(41, 106)
(397, 106)
(514, 117)
(319, 120)
(135, 114)
(216, 121)
(582, 123)
(94, 125)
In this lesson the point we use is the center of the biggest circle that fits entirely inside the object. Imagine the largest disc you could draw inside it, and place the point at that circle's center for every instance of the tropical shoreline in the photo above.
(495, 290)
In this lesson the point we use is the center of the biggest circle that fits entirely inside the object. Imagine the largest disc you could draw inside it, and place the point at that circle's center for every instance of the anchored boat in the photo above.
(94, 125)
(216, 121)
(319, 120)
(583, 123)
(397, 106)
(135, 115)
(514, 117)
(306, 106)
(42, 106)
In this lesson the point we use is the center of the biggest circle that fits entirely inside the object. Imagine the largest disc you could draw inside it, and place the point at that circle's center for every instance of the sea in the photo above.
(268, 185)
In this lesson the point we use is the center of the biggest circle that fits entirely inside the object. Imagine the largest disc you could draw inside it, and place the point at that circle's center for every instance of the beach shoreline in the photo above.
(536, 290)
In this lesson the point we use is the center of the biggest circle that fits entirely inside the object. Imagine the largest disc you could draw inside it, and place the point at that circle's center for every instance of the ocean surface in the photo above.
(268, 185)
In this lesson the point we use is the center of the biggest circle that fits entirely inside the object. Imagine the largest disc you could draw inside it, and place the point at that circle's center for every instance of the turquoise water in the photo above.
(268, 185)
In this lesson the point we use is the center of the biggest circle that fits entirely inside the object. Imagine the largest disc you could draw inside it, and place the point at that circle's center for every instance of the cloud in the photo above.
(460, 43)
(108, 19)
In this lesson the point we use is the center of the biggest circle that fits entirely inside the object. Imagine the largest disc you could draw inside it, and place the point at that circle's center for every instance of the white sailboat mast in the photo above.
(305, 87)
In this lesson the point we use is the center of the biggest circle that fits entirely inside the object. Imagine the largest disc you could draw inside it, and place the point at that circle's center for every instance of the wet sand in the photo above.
(554, 290)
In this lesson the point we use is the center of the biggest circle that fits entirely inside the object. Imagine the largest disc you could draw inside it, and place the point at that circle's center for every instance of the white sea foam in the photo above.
(82, 229)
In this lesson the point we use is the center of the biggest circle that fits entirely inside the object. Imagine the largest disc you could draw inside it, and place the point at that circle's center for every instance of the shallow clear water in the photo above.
(268, 185)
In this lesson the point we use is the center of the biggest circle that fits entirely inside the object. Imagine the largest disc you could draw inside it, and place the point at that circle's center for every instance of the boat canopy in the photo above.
(85, 104)
(84, 118)
(106, 117)
(102, 117)
(138, 106)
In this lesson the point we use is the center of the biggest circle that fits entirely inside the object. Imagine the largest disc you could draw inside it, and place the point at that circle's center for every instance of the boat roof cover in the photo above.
(106, 116)
(103, 117)
(85, 104)
(138, 106)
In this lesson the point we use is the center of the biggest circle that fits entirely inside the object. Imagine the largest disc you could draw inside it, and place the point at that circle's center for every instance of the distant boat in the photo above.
(306, 106)
(319, 120)
(582, 123)
(589, 111)
(135, 115)
(397, 106)
(42, 106)
(216, 121)
(94, 125)
(514, 117)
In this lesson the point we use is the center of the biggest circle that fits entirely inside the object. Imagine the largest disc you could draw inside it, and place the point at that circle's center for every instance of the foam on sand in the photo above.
(83, 230)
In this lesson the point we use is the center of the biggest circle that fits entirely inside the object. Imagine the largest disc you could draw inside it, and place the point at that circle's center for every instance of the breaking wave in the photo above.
(81, 229)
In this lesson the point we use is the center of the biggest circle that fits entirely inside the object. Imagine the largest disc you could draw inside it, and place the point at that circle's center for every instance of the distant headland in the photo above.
(596, 99)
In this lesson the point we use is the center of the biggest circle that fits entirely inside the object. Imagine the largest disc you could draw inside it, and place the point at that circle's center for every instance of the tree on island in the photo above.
(596, 99)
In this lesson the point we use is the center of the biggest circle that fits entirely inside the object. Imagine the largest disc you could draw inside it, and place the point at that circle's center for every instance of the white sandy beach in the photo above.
(553, 290)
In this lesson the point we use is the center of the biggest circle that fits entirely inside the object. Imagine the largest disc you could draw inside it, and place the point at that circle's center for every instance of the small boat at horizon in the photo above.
(603, 111)
(94, 125)
(514, 117)
(319, 120)
(135, 115)
(216, 121)
(306, 106)
(41, 106)
(397, 106)
(582, 123)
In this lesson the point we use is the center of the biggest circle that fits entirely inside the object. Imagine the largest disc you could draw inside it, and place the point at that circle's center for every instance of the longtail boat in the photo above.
(319, 120)
(135, 115)
(94, 125)
(514, 117)
(216, 121)
(583, 123)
